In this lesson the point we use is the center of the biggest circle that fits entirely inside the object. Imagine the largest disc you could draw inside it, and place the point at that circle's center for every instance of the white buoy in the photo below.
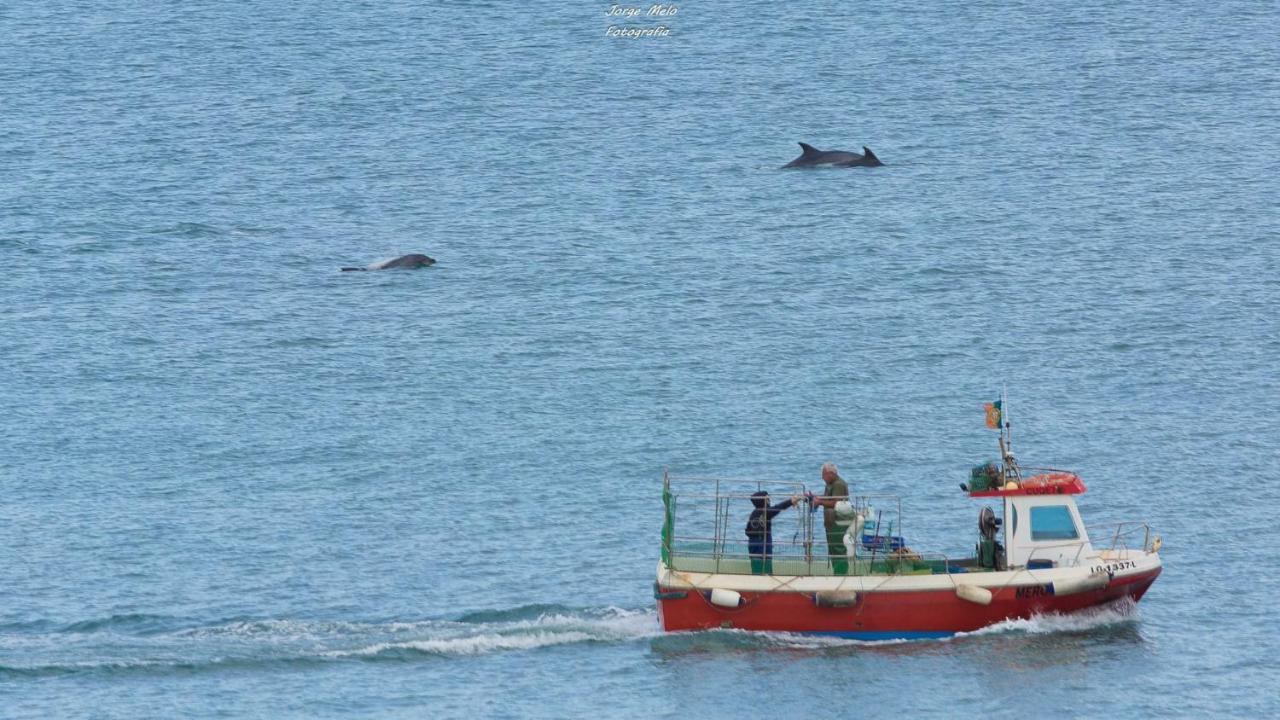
(1096, 581)
(974, 594)
(853, 535)
(725, 598)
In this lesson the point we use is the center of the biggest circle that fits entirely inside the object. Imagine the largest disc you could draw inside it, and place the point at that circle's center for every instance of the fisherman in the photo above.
(834, 490)
(760, 531)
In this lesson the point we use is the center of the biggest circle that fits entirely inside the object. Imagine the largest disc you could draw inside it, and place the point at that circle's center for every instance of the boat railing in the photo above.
(704, 530)
(1053, 553)
(707, 531)
(1122, 537)
(1115, 540)
(789, 559)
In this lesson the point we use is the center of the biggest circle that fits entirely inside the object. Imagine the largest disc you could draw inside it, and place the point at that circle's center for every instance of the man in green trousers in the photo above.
(834, 490)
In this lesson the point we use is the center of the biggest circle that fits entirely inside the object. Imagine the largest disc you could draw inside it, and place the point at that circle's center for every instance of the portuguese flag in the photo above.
(993, 415)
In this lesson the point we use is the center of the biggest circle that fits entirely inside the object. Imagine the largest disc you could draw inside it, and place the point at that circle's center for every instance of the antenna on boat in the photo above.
(1010, 464)
(1006, 432)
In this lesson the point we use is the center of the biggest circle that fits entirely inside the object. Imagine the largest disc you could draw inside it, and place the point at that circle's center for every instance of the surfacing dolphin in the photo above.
(404, 262)
(813, 157)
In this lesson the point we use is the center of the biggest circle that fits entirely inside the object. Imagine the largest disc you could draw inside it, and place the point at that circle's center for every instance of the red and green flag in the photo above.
(993, 415)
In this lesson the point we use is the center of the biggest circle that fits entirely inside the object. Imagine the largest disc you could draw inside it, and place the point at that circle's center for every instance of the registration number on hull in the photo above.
(1113, 568)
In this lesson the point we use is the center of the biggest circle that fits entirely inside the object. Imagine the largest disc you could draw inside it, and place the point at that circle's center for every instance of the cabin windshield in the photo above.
(1053, 522)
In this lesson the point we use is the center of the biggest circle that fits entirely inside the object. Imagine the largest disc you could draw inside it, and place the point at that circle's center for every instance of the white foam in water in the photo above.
(1119, 612)
(285, 630)
(616, 624)
(474, 645)
(817, 642)
(544, 631)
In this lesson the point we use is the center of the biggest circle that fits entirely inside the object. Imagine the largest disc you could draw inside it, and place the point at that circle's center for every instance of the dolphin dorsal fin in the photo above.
(866, 151)
(808, 149)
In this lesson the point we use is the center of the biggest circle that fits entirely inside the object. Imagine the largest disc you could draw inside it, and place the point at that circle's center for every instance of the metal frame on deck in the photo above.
(718, 509)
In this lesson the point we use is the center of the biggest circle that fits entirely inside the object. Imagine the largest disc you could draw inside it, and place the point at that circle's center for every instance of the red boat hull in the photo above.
(884, 615)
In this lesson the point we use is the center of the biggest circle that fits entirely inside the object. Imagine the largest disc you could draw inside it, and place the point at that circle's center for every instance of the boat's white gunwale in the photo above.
(678, 579)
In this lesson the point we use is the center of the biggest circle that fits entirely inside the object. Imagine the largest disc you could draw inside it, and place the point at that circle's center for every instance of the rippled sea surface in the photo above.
(237, 482)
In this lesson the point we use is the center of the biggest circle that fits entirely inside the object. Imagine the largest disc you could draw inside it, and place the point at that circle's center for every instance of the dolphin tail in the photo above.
(351, 269)
(870, 156)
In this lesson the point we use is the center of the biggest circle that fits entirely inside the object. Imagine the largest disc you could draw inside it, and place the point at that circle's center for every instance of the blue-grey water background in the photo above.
(237, 482)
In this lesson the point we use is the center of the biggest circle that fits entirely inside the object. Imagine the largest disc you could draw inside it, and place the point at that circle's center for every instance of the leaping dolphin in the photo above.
(404, 262)
(813, 157)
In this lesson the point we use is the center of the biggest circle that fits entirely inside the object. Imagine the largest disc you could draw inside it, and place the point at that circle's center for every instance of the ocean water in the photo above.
(239, 483)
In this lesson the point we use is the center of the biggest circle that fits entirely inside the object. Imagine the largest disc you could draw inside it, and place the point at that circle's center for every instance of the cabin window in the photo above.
(1052, 522)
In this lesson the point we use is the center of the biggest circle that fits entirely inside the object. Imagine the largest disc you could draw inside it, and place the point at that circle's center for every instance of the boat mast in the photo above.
(1009, 466)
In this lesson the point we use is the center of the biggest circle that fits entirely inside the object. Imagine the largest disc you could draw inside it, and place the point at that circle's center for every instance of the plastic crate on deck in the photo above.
(883, 542)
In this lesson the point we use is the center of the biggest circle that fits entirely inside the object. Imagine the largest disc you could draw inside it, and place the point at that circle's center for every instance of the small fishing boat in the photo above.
(1033, 555)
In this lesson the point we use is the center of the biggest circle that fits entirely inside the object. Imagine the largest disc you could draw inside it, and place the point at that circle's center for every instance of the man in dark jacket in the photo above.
(760, 531)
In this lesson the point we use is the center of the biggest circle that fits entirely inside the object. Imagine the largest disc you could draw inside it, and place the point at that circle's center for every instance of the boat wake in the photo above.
(127, 644)
(497, 631)
(754, 640)
(1117, 613)
(155, 644)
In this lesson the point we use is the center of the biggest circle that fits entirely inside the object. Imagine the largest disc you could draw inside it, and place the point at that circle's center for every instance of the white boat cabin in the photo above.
(1042, 525)
(1040, 528)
